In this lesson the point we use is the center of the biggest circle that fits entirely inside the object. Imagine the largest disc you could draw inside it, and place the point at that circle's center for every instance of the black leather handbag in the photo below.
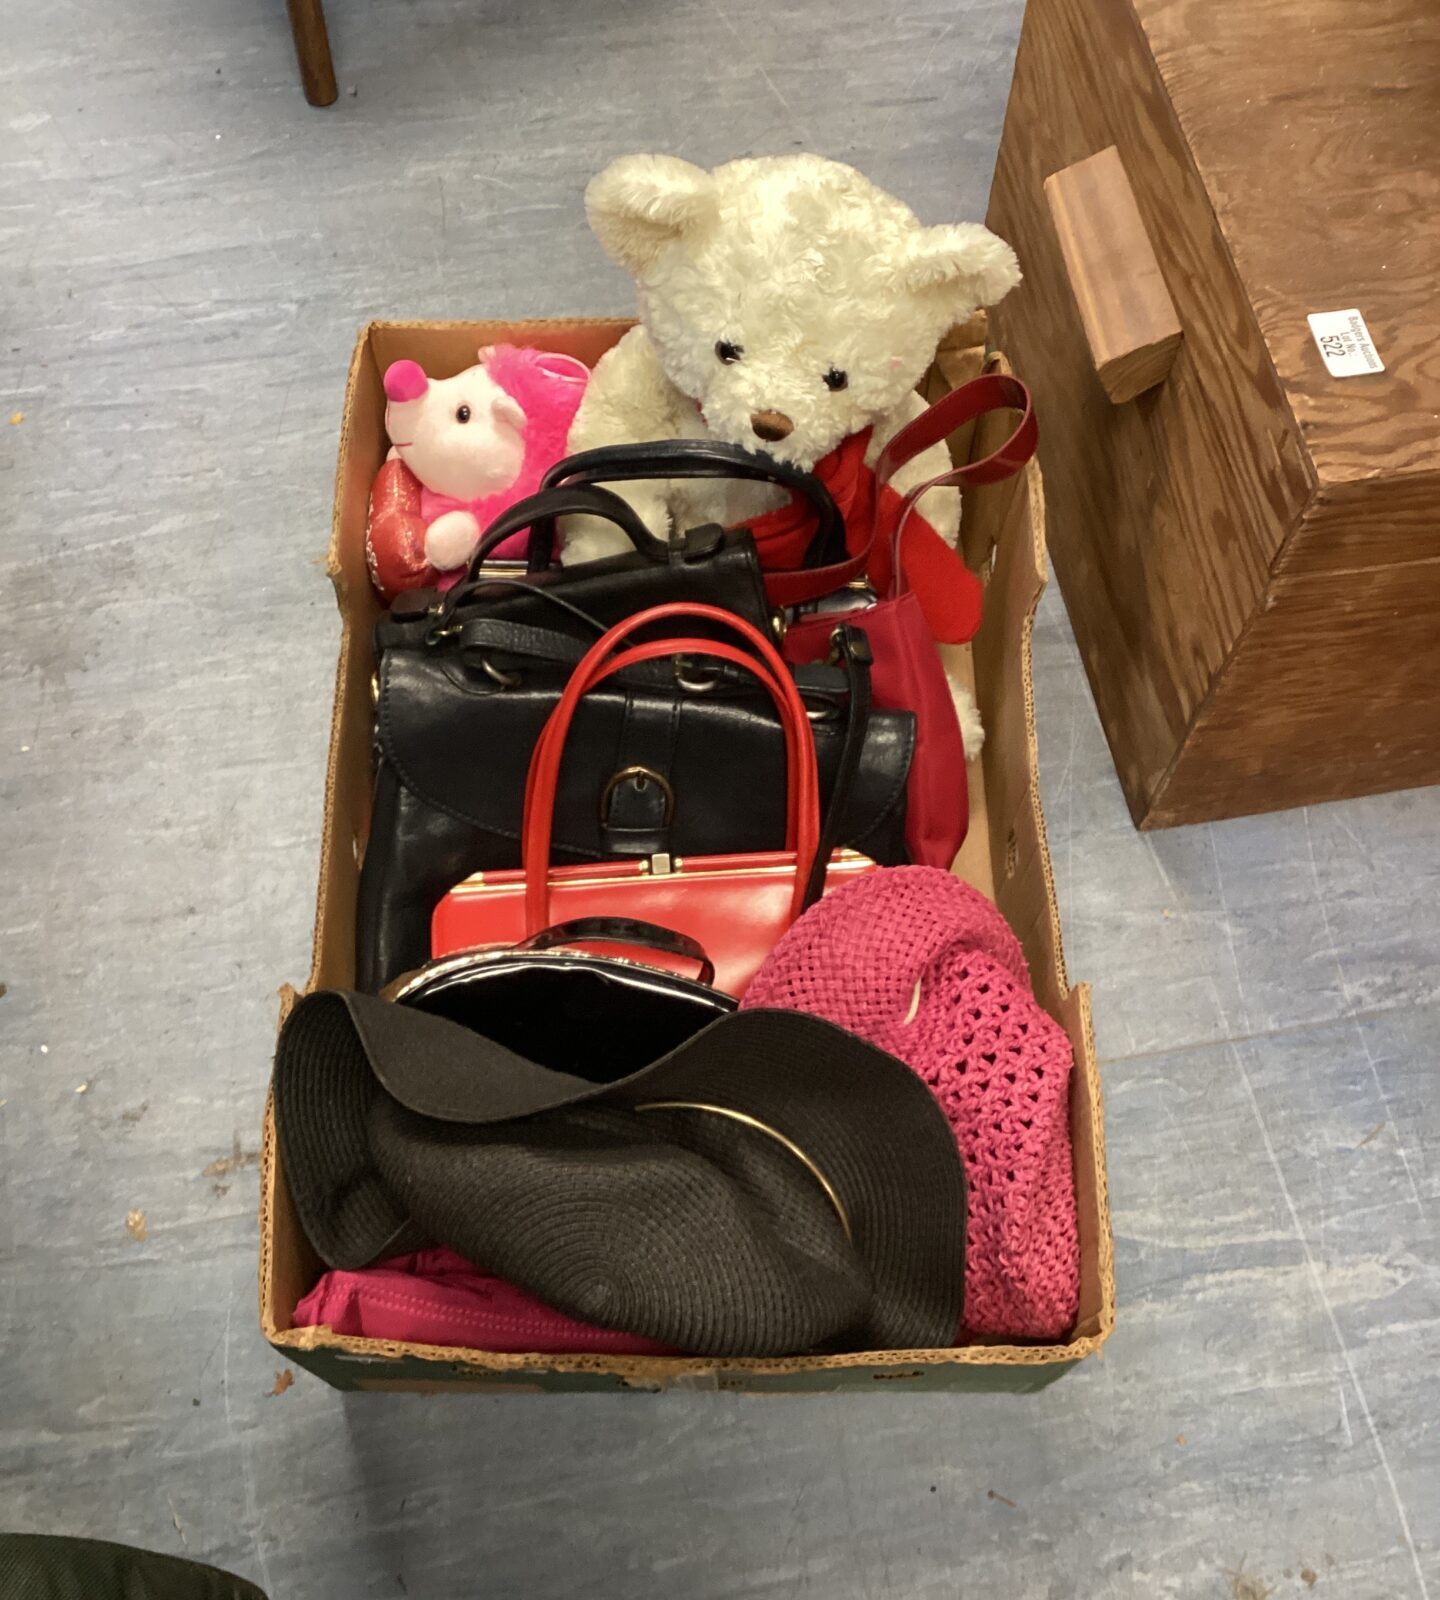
(691, 459)
(676, 758)
(680, 757)
(706, 565)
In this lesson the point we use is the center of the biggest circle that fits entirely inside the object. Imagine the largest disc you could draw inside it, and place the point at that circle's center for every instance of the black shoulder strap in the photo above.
(855, 655)
(695, 458)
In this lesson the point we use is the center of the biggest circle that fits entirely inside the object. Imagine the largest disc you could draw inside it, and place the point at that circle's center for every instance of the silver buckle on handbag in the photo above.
(691, 684)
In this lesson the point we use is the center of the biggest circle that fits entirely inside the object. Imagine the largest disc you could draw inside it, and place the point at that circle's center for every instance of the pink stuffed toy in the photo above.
(464, 449)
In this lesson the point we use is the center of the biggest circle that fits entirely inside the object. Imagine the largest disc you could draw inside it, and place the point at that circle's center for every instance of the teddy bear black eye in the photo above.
(729, 353)
(463, 414)
(835, 380)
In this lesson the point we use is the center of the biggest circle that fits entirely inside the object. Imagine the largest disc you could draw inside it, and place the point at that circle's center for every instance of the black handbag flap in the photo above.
(461, 740)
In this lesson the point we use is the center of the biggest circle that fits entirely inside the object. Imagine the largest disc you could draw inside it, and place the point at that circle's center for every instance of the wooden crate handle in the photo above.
(1129, 317)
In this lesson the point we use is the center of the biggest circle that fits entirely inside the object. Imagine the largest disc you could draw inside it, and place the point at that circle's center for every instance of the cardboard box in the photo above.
(1005, 855)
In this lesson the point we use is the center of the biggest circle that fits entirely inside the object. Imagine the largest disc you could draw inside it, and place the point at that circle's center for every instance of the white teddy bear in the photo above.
(786, 303)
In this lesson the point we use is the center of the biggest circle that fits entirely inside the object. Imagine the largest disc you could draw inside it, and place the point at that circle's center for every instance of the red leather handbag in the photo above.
(926, 591)
(726, 912)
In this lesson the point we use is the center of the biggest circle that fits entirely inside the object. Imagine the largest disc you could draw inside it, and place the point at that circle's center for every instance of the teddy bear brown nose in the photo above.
(771, 426)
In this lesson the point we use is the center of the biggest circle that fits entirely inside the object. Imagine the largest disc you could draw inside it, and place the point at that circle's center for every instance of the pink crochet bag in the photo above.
(925, 967)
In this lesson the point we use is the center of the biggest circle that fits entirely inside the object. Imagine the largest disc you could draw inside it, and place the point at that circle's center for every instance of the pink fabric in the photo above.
(998, 1064)
(437, 1297)
(549, 388)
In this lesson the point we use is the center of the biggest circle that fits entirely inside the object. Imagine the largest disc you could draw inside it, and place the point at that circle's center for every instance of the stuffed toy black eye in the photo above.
(463, 414)
(835, 380)
(729, 353)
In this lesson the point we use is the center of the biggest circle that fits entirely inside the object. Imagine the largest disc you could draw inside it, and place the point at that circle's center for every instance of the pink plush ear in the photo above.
(555, 365)
(508, 409)
(405, 380)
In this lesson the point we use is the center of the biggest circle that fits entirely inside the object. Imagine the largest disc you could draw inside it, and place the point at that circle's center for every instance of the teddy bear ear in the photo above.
(966, 262)
(639, 204)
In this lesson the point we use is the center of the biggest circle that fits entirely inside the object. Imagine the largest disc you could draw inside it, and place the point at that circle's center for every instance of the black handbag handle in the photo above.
(568, 500)
(622, 930)
(693, 458)
(571, 500)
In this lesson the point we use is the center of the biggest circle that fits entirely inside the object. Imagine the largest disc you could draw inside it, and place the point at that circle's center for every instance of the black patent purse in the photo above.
(706, 565)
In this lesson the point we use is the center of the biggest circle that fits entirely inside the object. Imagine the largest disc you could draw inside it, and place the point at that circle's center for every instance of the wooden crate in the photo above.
(1249, 547)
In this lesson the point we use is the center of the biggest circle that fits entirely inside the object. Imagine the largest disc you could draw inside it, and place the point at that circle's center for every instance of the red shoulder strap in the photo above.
(934, 571)
(994, 391)
(908, 552)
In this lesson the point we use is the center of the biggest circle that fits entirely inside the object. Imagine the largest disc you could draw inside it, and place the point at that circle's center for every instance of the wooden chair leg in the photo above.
(312, 50)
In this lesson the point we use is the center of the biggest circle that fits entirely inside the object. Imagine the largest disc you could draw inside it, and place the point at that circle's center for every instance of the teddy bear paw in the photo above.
(972, 730)
(450, 539)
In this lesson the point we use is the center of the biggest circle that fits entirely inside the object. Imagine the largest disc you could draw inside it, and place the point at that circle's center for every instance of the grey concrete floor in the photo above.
(186, 250)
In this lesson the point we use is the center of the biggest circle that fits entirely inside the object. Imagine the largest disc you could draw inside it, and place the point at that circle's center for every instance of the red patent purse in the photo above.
(908, 673)
(726, 912)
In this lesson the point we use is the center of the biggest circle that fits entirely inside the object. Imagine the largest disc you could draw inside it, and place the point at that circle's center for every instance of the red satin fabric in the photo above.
(437, 1297)
(395, 538)
(949, 593)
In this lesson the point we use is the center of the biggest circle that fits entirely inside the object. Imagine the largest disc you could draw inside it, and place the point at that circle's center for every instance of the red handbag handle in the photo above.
(993, 391)
(796, 727)
(994, 468)
(802, 796)
(544, 776)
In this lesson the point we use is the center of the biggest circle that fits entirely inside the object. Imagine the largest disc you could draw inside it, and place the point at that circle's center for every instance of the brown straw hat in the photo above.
(769, 1185)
